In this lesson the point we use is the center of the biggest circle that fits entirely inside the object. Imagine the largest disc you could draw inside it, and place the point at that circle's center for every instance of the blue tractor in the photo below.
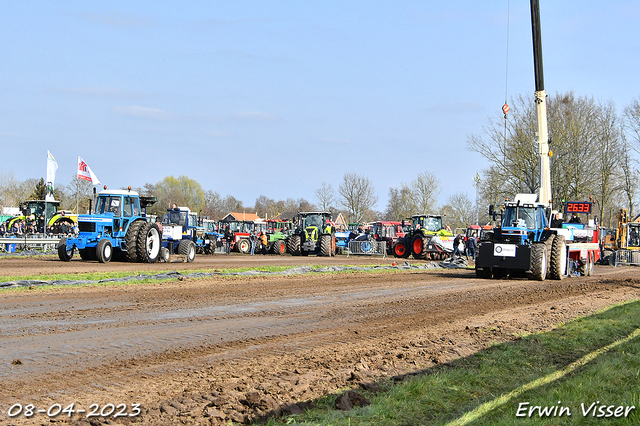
(182, 235)
(524, 244)
(118, 228)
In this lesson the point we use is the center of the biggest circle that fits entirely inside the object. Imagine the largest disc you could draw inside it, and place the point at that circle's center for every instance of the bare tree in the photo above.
(584, 139)
(425, 191)
(459, 210)
(358, 196)
(80, 192)
(326, 196)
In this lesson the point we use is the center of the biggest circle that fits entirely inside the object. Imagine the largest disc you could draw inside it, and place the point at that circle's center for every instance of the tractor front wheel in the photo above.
(558, 264)
(325, 245)
(64, 254)
(279, 247)
(539, 261)
(400, 249)
(293, 245)
(104, 251)
(187, 248)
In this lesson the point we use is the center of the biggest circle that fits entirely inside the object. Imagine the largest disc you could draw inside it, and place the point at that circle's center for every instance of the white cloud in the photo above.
(143, 112)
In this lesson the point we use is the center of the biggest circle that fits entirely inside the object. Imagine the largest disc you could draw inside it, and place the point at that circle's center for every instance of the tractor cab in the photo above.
(523, 220)
(427, 223)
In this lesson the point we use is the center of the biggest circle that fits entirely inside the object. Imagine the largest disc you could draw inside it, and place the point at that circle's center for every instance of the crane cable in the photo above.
(505, 107)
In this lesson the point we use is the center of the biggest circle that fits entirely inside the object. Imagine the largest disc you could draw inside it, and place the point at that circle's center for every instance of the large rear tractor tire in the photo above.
(187, 248)
(418, 246)
(293, 245)
(104, 251)
(64, 254)
(558, 263)
(149, 243)
(279, 247)
(131, 239)
(325, 245)
(244, 246)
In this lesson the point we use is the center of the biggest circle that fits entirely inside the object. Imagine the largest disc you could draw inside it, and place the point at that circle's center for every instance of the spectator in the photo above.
(253, 239)
(456, 247)
(265, 242)
(471, 247)
(575, 219)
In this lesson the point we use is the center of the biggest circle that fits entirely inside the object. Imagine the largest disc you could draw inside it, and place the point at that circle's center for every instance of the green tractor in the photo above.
(314, 234)
(46, 216)
(425, 239)
(278, 231)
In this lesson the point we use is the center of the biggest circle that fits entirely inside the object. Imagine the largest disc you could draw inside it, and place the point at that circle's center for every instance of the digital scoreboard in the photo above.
(578, 207)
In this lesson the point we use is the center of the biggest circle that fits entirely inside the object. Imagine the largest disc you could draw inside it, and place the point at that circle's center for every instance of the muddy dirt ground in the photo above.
(245, 348)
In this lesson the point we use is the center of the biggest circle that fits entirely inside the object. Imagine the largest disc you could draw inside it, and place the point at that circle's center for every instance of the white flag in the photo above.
(85, 172)
(52, 166)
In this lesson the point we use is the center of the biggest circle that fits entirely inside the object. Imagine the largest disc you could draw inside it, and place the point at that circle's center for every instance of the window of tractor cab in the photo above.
(131, 206)
(312, 220)
(521, 216)
(433, 224)
(109, 204)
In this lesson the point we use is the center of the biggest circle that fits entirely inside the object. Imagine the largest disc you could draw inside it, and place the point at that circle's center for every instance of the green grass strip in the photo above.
(503, 399)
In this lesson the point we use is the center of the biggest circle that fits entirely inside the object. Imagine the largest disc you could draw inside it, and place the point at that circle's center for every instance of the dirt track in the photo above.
(206, 351)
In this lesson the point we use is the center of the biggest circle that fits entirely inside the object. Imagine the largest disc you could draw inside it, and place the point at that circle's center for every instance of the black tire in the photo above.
(484, 273)
(279, 247)
(149, 243)
(164, 254)
(400, 249)
(539, 262)
(325, 245)
(64, 254)
(294, 245)
(558, 262)
(187, 248)
(211, 247)
(418, 246)
(244, 246)
(131, 240)
(104, 251)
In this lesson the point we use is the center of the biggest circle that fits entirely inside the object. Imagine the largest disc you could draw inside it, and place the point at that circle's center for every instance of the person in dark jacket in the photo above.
(471, 247)
(456, 247)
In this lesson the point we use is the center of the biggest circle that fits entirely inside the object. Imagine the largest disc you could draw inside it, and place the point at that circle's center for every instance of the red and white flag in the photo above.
(85, 172)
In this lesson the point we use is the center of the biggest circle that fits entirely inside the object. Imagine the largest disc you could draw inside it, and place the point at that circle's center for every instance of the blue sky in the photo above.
(272, 98)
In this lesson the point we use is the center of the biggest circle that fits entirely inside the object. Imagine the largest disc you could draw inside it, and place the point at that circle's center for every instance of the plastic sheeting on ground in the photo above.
(457, 263)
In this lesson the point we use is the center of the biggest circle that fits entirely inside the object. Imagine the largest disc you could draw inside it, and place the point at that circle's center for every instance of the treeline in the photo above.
(594, 153)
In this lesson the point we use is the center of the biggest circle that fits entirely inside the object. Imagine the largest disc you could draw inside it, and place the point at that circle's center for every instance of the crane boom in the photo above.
(541, 107)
